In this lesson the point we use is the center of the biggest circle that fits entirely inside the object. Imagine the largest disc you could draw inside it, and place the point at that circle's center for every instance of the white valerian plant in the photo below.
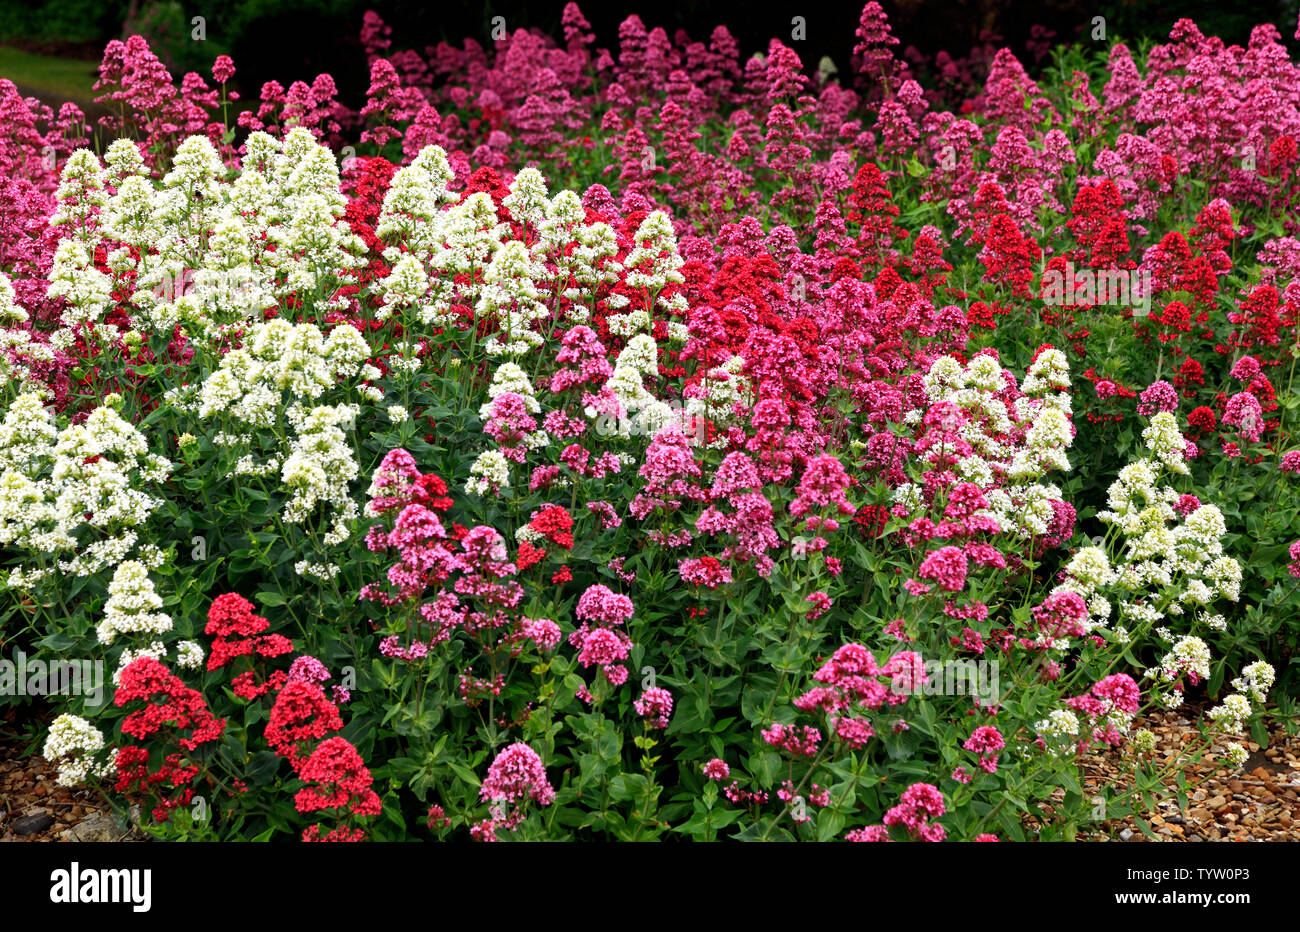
(1231, 715)
(133, 606)
(1012, 448)
(510, 297)
(264, 400)
(207, 252)
(73, 743)
(80, 495)
(1160, 565)
(715, 400)
(17, 348)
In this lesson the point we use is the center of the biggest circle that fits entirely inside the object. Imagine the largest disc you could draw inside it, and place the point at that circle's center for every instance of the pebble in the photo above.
(31, 824)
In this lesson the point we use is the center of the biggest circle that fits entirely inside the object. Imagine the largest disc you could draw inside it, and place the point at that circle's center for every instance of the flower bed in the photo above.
(646, 444)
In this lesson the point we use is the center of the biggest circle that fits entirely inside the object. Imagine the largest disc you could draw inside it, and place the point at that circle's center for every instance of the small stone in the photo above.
(1126, 834)
(31, 824)
(99, 827)
(1217, 802)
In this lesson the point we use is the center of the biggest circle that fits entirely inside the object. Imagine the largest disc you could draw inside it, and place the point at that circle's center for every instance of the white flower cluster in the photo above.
(1169, 565)
(1231, 714)
(265, 384)
(1010, 448)
(319, 465)
(547, 269)
(653, 263)
(489, 474)
(133, 605)
(77, 492)
(644, 414)
(1059, 730)
(1252, 692)
(1189, 656)
(511, 298)
(277, 357)
(1256, 680)
(72, 743)
(1234, 755)
(582, 254)
(412, 206)
(1089, 575)
(17, 348)
(213, 252)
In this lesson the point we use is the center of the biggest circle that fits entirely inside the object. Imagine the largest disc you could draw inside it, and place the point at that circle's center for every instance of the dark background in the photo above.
(295, 39)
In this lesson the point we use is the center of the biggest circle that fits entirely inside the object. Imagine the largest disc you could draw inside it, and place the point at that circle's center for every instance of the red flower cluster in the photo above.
(555, 524)
(237, 632)
(301, 714)
(170, 705)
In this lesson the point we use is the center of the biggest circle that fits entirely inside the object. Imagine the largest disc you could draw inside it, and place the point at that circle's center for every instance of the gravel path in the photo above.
(1259, 802)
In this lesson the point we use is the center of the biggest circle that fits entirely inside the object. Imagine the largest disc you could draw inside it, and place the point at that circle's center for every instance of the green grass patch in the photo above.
(47, 74)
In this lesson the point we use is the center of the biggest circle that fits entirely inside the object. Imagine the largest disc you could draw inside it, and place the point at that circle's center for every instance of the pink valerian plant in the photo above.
(515, 776)
(947, 566)
(1159, 396)
(917, 807)
(1108, 708)
(821, 489)
(986, 741)
(797, 741)
(655, 706)
(601, 611)
(717, 770)
(821, 604)
(424, 557)
(851, 685)
(388, 103)
(311, 670)
(1060, 615)
(1186, 504)
(1244, 412)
